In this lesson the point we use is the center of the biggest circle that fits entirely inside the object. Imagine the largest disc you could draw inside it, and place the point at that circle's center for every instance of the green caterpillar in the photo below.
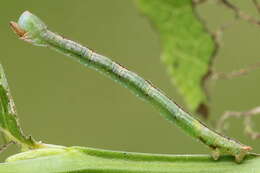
(31, 29)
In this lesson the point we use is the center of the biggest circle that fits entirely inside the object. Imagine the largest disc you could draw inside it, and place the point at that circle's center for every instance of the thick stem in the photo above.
(90, 160)
(31, 29)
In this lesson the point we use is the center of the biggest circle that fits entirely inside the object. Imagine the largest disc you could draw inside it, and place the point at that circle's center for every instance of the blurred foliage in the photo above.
(187, 47)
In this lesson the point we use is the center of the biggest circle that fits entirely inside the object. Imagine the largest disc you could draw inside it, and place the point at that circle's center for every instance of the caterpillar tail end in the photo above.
(240, 157)
(238, 154)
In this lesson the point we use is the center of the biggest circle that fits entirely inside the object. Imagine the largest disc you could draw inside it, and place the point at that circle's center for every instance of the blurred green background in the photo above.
(61, 102)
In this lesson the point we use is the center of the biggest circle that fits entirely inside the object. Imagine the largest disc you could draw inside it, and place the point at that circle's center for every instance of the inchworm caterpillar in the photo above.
(31, 29)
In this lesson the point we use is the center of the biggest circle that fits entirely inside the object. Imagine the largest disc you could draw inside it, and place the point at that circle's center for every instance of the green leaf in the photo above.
(90, 160)
(187, 48)
(9, 124)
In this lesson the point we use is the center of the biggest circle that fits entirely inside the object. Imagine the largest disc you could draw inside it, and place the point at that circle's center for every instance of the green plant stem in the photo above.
(89, 160)
(31, 29)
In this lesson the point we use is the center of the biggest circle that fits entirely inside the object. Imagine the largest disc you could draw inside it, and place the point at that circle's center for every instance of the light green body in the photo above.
(31, 29)
(90, 160)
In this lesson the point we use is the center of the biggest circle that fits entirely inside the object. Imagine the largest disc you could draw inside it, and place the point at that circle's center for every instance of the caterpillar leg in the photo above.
(239, 157)
(215, 154)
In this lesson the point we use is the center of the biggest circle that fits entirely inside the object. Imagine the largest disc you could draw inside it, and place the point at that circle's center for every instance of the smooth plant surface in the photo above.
(86, 160)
